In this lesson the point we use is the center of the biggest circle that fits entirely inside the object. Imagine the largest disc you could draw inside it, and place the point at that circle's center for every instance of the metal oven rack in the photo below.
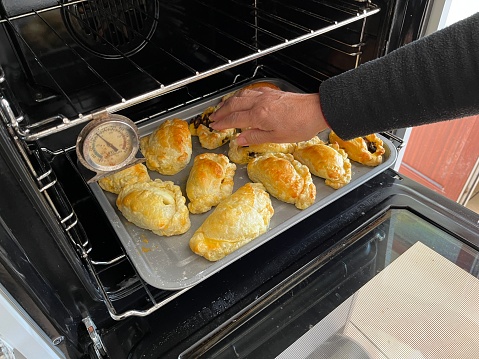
(34, 157)
(346, 14)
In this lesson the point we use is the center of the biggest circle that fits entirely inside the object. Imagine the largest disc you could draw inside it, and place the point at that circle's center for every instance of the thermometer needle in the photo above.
(109, 144)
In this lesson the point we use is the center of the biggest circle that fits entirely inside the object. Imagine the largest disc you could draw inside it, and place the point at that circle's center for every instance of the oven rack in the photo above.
(37, 161)
(49, 186)
(346, 13)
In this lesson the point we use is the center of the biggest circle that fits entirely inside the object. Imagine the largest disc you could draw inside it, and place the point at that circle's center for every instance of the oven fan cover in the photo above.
(111, 29)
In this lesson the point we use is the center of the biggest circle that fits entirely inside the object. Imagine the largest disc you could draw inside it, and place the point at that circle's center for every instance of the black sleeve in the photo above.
(432, 79)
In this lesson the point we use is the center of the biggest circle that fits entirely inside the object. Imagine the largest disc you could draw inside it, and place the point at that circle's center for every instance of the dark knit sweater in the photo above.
(432, 79)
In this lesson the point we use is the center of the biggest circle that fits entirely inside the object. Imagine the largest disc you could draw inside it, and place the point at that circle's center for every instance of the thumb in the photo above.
(254, 137)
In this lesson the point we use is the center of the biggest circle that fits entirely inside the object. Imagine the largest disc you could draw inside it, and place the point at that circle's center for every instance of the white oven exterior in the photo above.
(20, 336)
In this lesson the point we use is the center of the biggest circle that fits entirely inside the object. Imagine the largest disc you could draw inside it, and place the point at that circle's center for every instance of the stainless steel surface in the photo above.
(167, 262)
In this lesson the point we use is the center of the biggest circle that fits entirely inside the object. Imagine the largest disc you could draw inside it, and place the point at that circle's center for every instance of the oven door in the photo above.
(386, 271)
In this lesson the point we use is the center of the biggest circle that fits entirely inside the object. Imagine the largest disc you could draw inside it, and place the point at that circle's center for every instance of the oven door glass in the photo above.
(401, 288)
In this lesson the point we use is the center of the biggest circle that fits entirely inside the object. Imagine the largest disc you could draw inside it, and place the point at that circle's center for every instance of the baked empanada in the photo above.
(209, 138)
(168, 149)
(367, 150)
(325, 161)
(156, 205)
(210, 181)
(133, 174)
(236, 220)
(284, 178)
(244, 154)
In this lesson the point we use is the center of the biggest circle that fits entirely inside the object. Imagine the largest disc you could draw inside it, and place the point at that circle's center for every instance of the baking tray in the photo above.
(167, 262)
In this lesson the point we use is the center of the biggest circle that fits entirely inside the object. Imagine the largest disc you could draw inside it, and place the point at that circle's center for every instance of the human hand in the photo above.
(268, 115)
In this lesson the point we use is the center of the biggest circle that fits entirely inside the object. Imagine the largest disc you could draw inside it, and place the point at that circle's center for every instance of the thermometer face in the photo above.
(110, 145)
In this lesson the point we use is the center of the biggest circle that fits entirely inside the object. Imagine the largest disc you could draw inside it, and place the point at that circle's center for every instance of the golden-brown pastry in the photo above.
(284, 178)
(236, 220)
(325, 161)
(210, 181)
(133, 174)
(209, 138)
(156, 205)
(244, 154)
(168, 149)
(367, 150)
(252, 86)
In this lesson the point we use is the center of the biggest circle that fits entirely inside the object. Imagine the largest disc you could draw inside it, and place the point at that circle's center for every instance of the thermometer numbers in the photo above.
(109, 145)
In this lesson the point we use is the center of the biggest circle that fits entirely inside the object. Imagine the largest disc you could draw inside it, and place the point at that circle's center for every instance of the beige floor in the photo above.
(422, 306)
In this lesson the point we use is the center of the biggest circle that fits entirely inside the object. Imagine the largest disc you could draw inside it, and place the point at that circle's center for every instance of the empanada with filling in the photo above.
(210, 181)
(134, 174)
(236, 220)
(367, 150)
(325, 161)
(284, 178)
(168, 149)
(244, 154)
(156, 205)
(209, 138)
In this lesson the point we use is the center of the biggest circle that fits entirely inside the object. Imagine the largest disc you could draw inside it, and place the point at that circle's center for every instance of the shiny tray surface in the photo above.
(167, 262)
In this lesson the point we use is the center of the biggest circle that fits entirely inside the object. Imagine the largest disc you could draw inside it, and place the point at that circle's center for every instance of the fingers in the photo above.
(254, 136)
(234, 113)
(233, 120)
(243, 100)
(270, 116)
(255, 91)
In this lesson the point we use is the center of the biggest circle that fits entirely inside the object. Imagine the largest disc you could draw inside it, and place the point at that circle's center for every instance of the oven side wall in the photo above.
(37, 265)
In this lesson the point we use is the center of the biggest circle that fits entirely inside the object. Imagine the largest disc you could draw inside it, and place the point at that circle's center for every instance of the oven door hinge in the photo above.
(397, 141)
(95, 337)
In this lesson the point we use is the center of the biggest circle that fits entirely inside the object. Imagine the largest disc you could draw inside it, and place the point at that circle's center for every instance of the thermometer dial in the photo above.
(108, 144)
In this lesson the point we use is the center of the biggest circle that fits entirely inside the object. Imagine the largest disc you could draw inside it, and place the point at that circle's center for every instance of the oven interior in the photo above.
(80, 57)
(64, 63)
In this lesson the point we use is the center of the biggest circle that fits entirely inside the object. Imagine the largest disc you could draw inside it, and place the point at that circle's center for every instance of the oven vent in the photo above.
(112, 28)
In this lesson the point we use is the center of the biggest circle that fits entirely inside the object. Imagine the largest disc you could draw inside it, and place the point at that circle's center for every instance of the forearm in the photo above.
(433, 79)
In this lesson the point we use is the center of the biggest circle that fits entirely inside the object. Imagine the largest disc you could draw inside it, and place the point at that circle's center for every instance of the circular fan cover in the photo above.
(111, 28)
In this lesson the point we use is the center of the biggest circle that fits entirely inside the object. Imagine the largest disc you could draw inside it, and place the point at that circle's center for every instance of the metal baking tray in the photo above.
(167, 262)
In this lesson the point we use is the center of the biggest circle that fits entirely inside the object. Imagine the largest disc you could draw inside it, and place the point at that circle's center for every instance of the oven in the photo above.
(63, 259)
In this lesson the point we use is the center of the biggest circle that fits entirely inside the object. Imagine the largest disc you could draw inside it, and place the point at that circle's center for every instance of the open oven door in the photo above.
(393, 282)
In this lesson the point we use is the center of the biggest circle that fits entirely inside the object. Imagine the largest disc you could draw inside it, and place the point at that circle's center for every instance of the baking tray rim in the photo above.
(213, 267)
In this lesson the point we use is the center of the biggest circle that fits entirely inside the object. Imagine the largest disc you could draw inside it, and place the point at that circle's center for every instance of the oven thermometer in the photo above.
(108, 145)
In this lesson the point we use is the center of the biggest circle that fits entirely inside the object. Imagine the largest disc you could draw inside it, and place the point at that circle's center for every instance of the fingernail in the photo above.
(241, 141)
